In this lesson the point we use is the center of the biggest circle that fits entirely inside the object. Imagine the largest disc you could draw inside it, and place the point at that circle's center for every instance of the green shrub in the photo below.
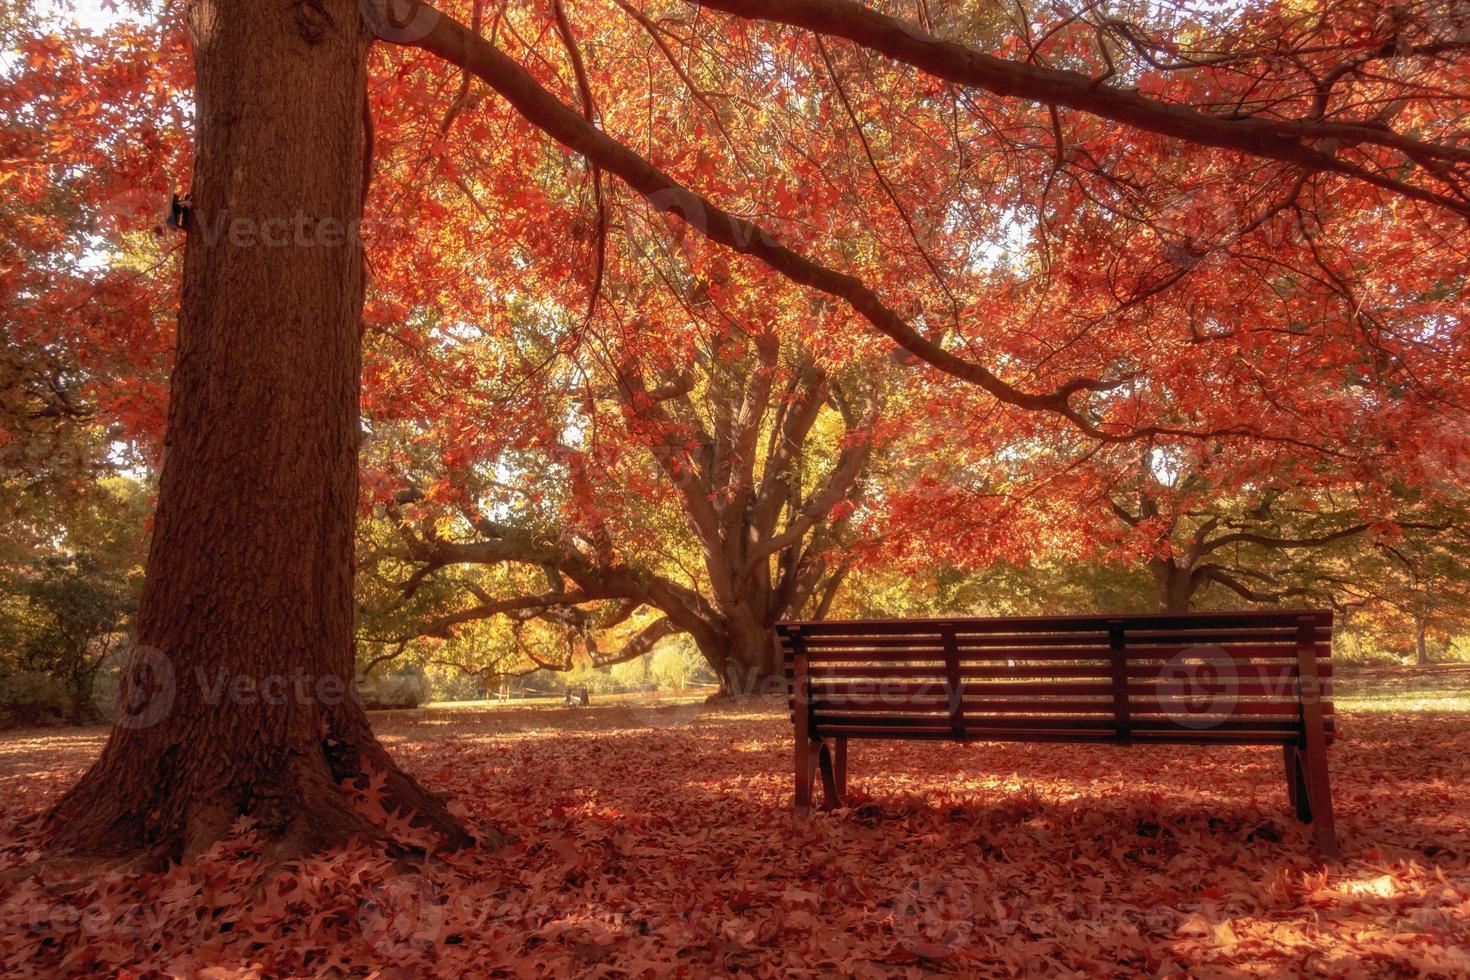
(32, 698)
(453, 684)
(408, 688)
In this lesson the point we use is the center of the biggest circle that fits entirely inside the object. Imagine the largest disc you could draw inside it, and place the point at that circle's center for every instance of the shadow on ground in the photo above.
(654, 851)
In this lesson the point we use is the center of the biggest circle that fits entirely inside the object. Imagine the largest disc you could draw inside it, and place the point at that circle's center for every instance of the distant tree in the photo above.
(709, 497)
(71, 605)
(1416, 582)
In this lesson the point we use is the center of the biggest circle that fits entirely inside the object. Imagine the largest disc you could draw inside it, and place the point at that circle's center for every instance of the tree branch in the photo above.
(1287, 140)
(454, 43)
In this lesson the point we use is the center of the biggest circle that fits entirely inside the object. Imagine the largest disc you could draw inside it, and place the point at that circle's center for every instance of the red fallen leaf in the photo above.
(798, 896)
(566, 849)
(687, 863)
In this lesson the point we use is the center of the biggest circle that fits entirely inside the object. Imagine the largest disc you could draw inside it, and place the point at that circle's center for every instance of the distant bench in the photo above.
(1243, 678)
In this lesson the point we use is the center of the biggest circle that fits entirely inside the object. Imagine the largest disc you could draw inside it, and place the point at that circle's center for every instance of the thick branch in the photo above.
(841, 483)
(1268, 541)
(1215, 574)
(637, 646)
(456, 44)
(1287, 140)
(443, 626)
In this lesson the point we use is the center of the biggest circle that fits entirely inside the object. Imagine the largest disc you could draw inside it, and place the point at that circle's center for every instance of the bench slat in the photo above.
(1284, 619)
(978, 723)
(1280, 688)
(971, 724)
(970, 706)
(1141, 700)
(821, 645)
(1202, 652)
(1150, 738)
(1181, 707)
(1252, 670)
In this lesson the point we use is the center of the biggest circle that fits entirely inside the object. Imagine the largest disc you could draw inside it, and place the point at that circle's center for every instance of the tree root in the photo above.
(301, 807)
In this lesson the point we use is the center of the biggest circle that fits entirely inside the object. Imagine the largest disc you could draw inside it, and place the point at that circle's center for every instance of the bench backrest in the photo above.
(1243, 677)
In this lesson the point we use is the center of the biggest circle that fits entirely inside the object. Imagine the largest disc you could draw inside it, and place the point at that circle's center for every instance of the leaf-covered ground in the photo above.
(655, 845)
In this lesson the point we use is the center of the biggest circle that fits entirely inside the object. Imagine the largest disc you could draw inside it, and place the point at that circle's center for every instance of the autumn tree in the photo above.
(250, 566)
(1195, 520)
(1326, 137)
(68, 606)
(1410, 588)
(710, 493)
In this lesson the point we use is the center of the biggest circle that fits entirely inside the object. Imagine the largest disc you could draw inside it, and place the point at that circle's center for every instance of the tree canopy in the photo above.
(684, 317)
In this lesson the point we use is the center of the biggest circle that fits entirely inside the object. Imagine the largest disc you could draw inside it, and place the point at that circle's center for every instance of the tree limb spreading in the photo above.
(1310, 143)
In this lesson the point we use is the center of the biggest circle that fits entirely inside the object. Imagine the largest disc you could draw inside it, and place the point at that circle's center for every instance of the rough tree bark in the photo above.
(237, 702)
(746, 659)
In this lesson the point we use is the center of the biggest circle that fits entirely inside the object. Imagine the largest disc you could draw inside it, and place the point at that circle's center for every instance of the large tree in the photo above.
(236, 701)
(1325, 134)
(710, 497)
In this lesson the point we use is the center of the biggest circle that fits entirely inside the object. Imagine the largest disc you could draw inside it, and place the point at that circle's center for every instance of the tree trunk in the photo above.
(745, 661)
(238, 699)
(1176, 585)
(1421, 645)
(81, 687)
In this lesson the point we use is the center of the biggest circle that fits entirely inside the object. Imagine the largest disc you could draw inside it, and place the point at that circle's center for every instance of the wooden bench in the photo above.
(1240, 678)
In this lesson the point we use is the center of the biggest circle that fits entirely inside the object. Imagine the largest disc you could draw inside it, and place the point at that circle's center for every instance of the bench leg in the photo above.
(1319, 793)
(831, 797)
(1296, 783)
(813, 756)
(806, 768)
